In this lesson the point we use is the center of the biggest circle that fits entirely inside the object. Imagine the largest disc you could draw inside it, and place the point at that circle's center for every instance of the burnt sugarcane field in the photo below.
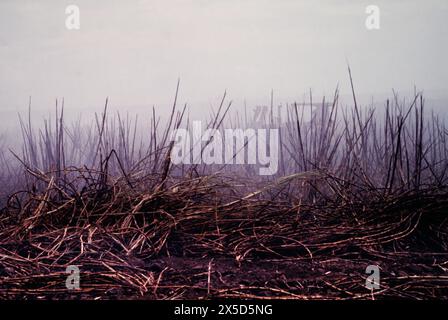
(210, 150)
(352, 189)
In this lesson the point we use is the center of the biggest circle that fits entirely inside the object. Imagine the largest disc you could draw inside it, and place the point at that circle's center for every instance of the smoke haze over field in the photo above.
(288, 186)
(134, 51)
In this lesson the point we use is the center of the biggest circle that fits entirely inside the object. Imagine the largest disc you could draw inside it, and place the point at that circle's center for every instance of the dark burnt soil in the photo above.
(402, 276)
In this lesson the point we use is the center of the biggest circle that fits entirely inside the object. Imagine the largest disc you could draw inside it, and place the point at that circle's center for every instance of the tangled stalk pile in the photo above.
(186, 241)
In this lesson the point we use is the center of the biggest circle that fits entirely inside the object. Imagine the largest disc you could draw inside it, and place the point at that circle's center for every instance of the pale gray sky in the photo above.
(133, 51)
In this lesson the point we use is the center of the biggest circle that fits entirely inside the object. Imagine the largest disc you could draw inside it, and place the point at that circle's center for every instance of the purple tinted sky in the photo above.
(134, 51)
